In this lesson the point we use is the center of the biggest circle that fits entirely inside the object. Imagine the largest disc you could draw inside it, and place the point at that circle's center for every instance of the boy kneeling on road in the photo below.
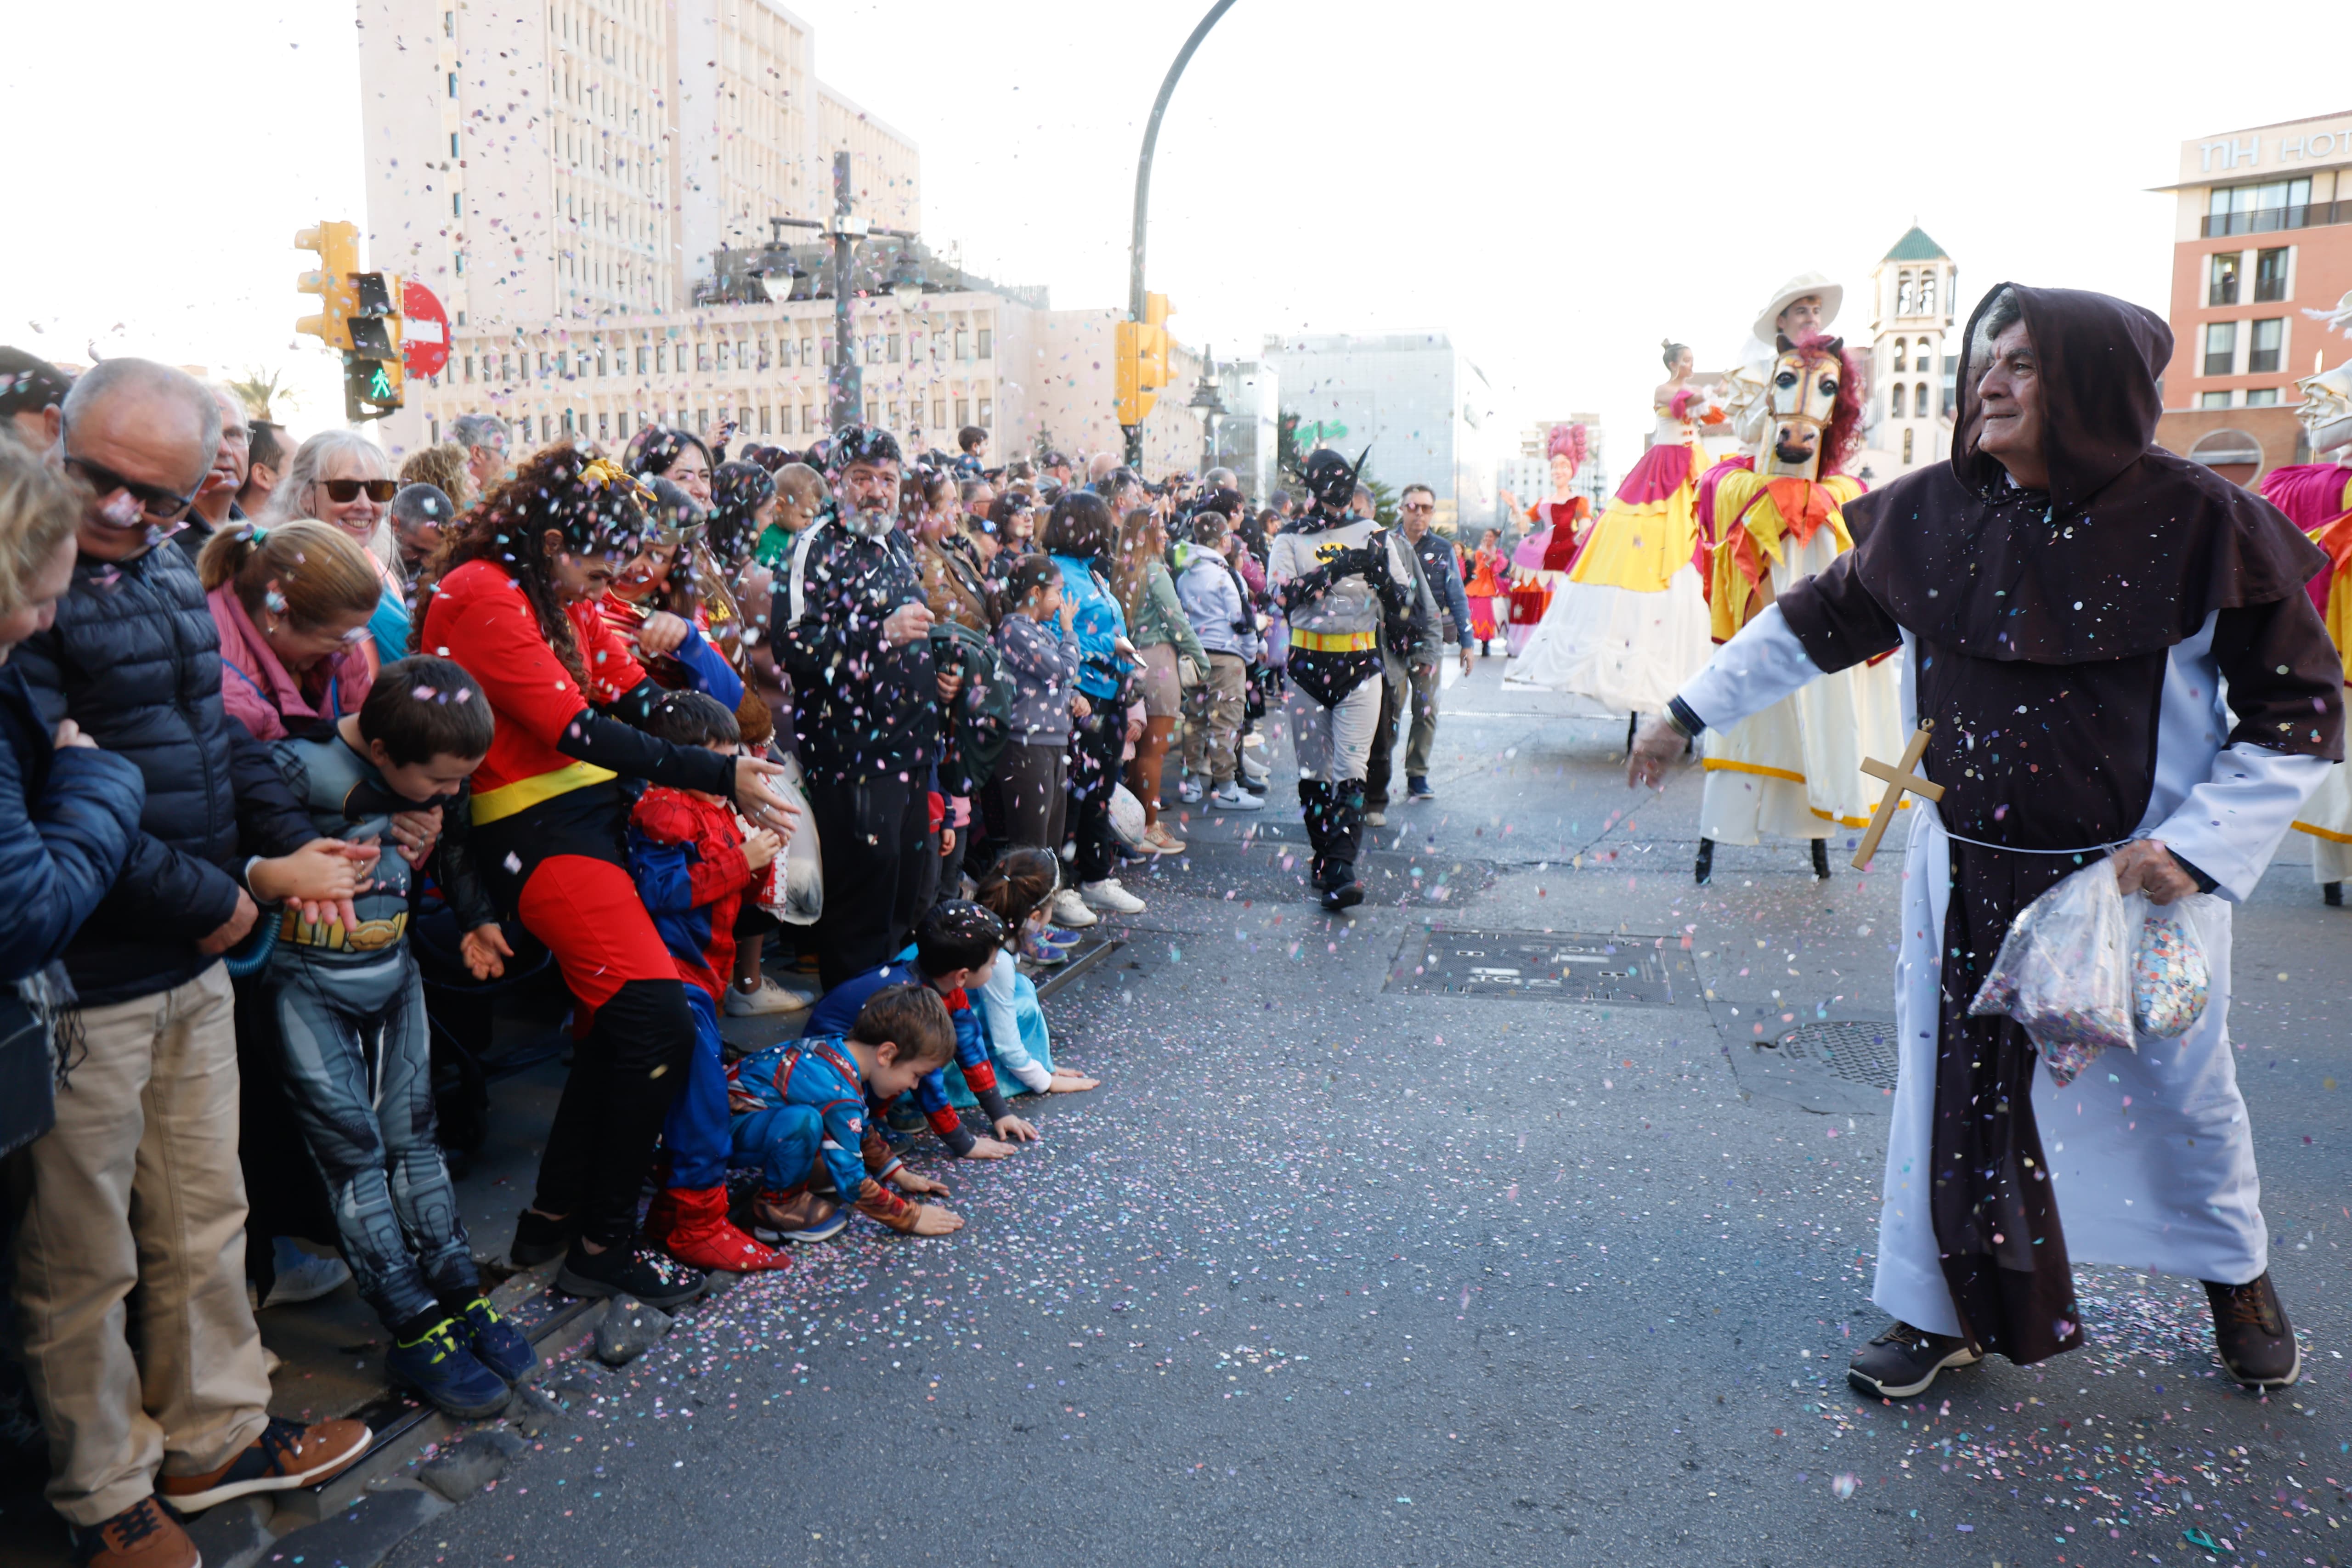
(802, 1111)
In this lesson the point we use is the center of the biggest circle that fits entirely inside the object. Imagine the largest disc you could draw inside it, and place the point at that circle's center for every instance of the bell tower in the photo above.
(1913, 390)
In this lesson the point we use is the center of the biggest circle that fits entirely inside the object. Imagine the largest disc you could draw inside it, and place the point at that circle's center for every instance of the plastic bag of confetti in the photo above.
(2170, 979)
(2064, 971)
(792, 887)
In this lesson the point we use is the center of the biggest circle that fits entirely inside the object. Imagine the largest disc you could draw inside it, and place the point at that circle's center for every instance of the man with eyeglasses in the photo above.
(129, 1265)
(484, 436)
(1416, 509)
(215, 500)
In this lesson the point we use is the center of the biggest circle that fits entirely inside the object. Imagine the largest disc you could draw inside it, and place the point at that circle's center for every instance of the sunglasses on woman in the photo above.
(380, 491)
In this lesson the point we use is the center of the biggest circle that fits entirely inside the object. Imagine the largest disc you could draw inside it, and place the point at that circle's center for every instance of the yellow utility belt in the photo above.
(368, 937)
(1334, 642)
(523, 793)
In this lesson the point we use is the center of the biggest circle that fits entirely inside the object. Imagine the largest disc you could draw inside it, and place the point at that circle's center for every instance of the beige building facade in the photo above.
(562, 169)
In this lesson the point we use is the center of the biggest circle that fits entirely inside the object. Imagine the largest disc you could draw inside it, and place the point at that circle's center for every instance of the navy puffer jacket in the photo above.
(135, 659)
(66, 822)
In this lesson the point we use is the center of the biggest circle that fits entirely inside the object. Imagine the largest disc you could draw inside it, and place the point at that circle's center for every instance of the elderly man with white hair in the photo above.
(130, 1283)
(484, 436)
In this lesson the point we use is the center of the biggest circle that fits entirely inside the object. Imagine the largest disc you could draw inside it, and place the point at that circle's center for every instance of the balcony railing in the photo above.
(2269, 220)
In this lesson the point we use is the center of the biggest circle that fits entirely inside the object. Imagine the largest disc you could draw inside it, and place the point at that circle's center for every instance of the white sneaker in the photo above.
(1108, 894)
(1189, 791)
(1231, 797)
(1255, 770)
(1069, 910)
(770, 997)
(1376, 818)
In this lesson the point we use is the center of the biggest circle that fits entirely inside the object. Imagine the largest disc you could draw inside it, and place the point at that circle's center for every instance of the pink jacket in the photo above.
(261, 694)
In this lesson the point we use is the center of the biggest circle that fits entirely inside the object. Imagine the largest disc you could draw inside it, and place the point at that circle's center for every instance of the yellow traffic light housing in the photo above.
(1141, 360)
(338, 247)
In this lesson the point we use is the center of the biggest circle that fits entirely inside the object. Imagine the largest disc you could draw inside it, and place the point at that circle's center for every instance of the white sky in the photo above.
(1557, 186)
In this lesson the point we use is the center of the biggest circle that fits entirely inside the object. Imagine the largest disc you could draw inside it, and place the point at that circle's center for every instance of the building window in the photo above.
(2212, 399)
(453, 144)
(1894, 401)
(828, 353)
(702, 421)
(1907, 443)
(604, 426)
(1951, 387)
(893, 341)
(2258, 209)
(1919, 399)
(2222, 281)
(2263, 355)
(808, 356)
(1900, 361)
(987, 414)
(939, 413)
(2261, 398)
(621, 425)
(874, 411)
(470, 369)
(808, 418)
(545, 364)
(701, 355)
(2220, 347)
(2270, 275)
(453, 84)
(962, 344)
(894, 413)
(1927, 293)
(645, 358)
(987, 342)
(963, 413)
(763, 354)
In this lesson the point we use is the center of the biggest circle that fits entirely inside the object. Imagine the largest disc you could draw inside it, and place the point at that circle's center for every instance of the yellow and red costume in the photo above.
(1628, 625)
(2318, 498)
(1795, 769)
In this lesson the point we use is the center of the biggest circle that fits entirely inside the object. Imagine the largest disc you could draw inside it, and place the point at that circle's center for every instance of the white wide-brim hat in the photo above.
(1831, 296)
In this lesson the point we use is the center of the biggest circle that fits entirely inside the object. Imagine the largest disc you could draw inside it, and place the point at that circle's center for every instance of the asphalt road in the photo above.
(1339, 1268)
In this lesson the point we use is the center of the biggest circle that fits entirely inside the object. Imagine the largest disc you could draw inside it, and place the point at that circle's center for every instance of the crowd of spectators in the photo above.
(303, 758)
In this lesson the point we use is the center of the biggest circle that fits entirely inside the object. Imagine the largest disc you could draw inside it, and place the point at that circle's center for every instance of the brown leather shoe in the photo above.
(284, 1456)
(797, 1215)
(145, 1536)
(2256, 1341)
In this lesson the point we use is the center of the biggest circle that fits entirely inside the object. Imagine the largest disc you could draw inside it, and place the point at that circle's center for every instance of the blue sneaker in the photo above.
(1054, 936)
(495, 1343)
(444, 1371)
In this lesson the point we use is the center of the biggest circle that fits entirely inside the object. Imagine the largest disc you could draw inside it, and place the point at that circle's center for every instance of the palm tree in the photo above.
(258, 389)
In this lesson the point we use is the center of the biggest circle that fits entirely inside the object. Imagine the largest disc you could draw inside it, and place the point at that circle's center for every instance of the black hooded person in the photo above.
(851, 631)
(2069, 600)
(1336, 574)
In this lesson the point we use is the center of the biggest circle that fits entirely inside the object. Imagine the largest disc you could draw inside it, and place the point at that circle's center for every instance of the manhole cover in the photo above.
(1552, 966)
(1856, 1050)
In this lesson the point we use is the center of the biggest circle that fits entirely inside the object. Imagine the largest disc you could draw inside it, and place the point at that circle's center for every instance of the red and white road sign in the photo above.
(424, 338)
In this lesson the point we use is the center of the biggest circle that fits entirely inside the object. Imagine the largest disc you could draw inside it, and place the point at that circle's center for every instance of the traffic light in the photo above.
(1141, 367)
(372, 375)
(338, 244)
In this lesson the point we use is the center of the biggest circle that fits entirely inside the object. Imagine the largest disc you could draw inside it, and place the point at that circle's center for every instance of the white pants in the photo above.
(1333, 744)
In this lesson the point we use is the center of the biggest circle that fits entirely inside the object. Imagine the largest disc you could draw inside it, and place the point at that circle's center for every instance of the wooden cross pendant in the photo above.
(1898, 778)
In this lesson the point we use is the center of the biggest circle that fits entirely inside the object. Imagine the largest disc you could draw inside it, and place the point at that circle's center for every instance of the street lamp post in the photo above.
(1143, 193)
(846, 403)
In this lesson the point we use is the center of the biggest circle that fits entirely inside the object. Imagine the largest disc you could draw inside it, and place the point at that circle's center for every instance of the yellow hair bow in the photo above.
(605, 472)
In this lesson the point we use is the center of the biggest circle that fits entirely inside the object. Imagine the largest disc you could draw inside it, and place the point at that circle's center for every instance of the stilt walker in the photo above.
(1336, 574)
(1793, 770)
(2317, 499)
(1629, 624)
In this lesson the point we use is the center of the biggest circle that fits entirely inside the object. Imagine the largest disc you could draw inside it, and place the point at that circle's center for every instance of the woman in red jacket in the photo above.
(516, 605)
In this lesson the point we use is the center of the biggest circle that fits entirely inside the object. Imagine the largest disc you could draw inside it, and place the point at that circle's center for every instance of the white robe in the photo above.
(2166, 1183)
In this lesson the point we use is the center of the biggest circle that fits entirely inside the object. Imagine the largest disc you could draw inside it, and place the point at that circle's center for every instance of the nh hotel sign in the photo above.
(2289, 149)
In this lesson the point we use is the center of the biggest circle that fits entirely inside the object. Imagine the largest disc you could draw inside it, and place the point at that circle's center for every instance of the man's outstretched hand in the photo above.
(1655, 745)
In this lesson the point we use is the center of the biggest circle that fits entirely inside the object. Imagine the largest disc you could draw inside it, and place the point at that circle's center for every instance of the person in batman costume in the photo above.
(1336, 572)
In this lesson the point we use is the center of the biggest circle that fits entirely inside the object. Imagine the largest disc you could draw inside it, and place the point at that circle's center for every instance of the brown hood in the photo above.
(2099, 360)
(2130, 549)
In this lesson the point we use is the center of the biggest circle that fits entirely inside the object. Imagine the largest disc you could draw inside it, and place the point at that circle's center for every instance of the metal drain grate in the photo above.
(1854, 1049)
